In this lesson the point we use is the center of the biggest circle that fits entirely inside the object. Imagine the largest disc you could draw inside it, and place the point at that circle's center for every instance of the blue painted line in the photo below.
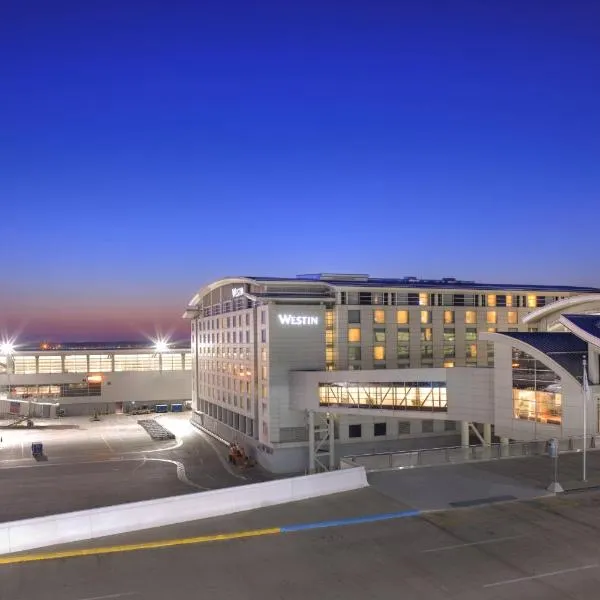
(351, 521)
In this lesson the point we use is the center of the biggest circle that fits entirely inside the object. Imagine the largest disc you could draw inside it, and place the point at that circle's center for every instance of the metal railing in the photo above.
(409, 459)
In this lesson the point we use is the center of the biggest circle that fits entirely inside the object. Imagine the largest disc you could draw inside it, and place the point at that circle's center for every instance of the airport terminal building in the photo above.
(83, 379)
(299, 369)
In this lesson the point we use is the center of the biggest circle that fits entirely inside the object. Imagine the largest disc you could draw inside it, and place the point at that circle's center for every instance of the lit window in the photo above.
(448, 317)
(509, 300)
(448, 364)
(470, 317)
(354, 353)
(426, 334)
(491, 329)
(354, 334)
(328, 355)
(531, 301)
(329, 336)
(379, 352)
(491, 300)
(425, 316)
(471, 350)
(491, 316)
(402, 317)
(423, 299)
(379, 316)
(329, 319)
(512, 317)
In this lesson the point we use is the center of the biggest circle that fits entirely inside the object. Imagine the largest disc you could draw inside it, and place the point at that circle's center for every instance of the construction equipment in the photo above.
(238, 456)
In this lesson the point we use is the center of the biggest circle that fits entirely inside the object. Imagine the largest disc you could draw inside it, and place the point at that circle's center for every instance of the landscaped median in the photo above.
(18, 536)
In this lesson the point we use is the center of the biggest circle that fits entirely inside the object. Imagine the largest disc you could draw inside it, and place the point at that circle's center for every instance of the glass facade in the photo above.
(416, 395)
(536, 390)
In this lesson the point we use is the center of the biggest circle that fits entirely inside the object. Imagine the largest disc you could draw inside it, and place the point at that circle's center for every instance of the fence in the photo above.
(408, 459)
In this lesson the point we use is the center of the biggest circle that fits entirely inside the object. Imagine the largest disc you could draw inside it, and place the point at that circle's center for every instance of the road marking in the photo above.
(350, 521)
(25, 558)
(492, 541)
(107, 444)
(121, 595)
(540, 576)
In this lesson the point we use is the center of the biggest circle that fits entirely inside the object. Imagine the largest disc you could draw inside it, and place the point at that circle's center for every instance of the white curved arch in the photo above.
(532, 351)
(559, 306)
(218, 283)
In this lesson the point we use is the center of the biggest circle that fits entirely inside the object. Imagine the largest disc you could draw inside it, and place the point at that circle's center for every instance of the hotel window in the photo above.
(329, 319)
(470, 317)
(472, 351)
(512, 317)
(402, 317)
(379, 316)
(471, 334)
(448, 364)
(378, 352)
(509, 300)
(448, 317)
(403, 343)
(423, 299)
(491, 300)
(531, 301)
(354, 353)
(354, 431)
(354, 334)
(425, 317)
(379, 335)
(426, 334)
(328, 355)
(263, 336)
(328, 337)
(263, 354)
(379, 429)
(492, 317)
(492, 329)
(354, 316)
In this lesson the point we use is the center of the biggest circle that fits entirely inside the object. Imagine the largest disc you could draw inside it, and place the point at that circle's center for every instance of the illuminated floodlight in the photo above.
(7, 348)
(161, 345)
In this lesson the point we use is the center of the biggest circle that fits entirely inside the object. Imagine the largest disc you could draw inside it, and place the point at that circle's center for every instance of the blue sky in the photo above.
(149, 147)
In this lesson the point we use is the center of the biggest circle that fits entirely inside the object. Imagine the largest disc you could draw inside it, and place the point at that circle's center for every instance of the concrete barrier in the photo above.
(17, 536)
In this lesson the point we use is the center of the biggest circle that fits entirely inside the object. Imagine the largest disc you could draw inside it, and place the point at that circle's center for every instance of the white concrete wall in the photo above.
(23, 535)
(291, 347)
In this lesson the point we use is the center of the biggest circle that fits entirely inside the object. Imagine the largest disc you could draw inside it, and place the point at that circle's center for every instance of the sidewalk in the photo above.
(487, 481)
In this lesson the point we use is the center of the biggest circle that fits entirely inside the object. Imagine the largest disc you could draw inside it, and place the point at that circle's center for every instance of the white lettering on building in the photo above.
(237, 292)
(297, 320)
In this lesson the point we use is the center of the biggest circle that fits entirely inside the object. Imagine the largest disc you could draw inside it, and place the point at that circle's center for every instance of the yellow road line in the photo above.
(24, 558)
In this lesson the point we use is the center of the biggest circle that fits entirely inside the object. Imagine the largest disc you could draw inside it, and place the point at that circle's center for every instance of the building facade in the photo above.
(389, 361)
(84, 379)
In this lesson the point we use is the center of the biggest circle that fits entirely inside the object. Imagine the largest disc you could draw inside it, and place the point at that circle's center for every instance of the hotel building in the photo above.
(282, 364)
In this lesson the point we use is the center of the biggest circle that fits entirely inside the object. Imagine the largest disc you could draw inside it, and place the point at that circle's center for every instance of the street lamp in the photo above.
(7, 349)
(161, 345)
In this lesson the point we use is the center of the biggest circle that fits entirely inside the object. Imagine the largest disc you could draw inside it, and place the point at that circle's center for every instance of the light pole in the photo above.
(585, 390)
(7, 349)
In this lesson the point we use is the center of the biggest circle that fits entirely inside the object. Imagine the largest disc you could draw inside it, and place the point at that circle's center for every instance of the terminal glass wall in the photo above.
(415, 395)
(536, 390)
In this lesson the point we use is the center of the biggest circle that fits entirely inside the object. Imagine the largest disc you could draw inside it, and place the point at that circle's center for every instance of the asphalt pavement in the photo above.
(543, 549)
(88, 464)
